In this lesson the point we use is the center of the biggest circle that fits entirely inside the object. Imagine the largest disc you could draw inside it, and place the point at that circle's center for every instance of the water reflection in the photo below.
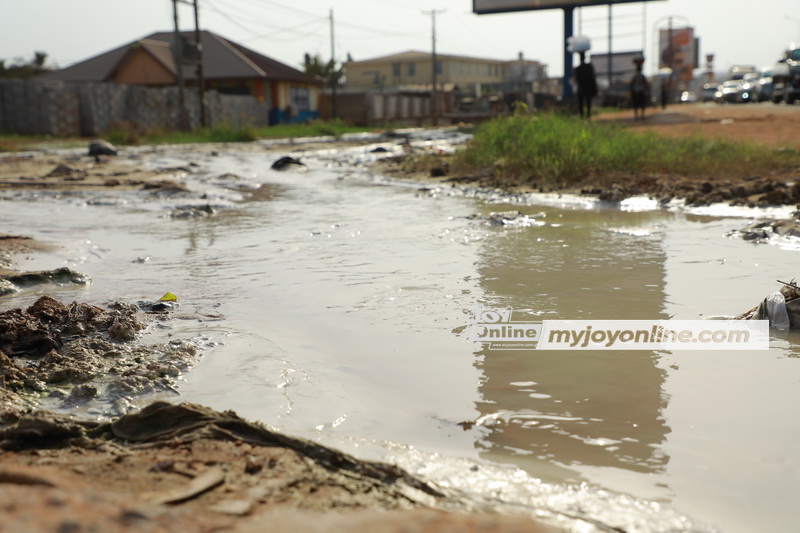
(550, 411)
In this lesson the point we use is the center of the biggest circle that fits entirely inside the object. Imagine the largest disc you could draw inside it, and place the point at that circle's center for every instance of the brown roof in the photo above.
(222, 59)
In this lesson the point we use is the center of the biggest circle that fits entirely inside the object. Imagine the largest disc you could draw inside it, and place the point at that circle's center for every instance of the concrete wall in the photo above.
(93, 109)
(373, 107)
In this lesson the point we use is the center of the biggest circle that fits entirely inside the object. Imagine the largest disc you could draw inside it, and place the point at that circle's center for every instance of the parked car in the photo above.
(786, 76)
(765, 85)
(688, 97)
(707, 94)
(734, 92)
(752, 80)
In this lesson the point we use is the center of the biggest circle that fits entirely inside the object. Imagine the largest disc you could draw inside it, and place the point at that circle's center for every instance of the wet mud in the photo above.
(70, 355)
(189, 468)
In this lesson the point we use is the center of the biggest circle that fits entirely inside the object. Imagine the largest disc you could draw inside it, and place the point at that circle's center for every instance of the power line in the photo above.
(254, 35)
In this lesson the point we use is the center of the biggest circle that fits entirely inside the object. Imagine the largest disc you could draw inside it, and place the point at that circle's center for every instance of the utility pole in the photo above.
(610, 56)
(182, 125)
(670, 64)
(334, 81)
(201, 81)
(434, 89)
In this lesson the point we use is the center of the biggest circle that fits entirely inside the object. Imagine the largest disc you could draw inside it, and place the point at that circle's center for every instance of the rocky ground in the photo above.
(187, 468)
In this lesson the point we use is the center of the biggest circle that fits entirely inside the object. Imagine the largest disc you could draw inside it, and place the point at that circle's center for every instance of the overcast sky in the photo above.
(736, 31)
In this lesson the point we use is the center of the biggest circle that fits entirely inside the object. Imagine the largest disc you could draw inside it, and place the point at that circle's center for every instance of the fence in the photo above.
(373, 107)
(93, 109)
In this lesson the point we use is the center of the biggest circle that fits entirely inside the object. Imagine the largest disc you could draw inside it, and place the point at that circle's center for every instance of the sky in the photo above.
(737, 32)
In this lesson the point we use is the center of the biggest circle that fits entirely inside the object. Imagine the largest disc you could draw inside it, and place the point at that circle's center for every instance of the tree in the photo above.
(328, 71)
(39, 58)
(22, 69)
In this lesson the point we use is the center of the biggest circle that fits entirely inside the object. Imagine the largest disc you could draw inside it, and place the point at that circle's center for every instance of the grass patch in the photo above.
(12, 142)
(126, 134)
(560, 151)
(331, 128)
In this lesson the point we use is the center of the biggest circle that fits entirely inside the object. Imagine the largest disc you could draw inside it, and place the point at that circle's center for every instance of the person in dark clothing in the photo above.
(587, 86)
(639, 91)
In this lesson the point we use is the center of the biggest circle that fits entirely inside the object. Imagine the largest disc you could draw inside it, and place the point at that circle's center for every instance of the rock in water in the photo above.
(288, 163)
(100, 147)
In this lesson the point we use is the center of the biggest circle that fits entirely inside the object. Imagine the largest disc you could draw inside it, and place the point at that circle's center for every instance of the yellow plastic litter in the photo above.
(169, 297)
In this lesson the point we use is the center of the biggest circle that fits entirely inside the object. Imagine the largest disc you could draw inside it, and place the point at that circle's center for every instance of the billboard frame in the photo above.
(531, 5)
(568, 6)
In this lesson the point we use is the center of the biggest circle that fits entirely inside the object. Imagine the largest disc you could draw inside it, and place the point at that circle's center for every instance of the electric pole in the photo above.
(610, 55)
(334, 81)
(434, 89)
(182, 122)
(200, 75)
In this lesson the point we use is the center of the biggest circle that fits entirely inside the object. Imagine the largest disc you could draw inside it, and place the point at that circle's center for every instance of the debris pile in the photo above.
(781, 308)
(70, 355)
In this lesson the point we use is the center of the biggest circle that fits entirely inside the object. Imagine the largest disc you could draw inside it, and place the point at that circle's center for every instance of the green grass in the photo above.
(12, 142)
(333, 128)
(123, 134)
(562, 150)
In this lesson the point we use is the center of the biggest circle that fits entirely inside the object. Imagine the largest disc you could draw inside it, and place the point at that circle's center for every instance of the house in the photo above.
(228, 68)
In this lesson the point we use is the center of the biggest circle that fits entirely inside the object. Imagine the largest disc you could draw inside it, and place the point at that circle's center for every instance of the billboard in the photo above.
(676, 50)
(622, 66)
(483, 7)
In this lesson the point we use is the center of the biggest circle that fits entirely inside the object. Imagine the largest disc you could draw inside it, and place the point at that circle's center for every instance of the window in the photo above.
(396, 72)
(439, 68)
(412, 69)
(298, 97)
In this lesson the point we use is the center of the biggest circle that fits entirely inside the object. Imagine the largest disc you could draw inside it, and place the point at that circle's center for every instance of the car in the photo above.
(765, 85)
(738, 72)
(752, 80)
(707, 94)
(734, 92)
(728, 92)
(786, 76)
(688, 97)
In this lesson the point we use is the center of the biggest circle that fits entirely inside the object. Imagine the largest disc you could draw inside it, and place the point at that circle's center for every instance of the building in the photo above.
(228, 68)
(415, 68)
(467, 87)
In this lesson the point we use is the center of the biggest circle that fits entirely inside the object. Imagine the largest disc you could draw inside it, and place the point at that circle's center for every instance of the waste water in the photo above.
(346, 297)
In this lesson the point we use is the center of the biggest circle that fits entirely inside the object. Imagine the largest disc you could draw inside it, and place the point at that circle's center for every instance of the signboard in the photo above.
(483, 7)
(676, 51)
(622, 66)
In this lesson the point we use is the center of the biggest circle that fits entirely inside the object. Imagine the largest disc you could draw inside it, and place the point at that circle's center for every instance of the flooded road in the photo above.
(345, 300)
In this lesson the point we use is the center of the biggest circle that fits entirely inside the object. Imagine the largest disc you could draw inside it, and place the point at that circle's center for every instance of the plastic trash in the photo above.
(776, 311)
(578, 43)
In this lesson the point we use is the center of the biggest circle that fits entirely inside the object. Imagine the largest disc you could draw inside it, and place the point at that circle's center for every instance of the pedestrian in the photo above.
(664, 92)
(587, 85)
(639, 93)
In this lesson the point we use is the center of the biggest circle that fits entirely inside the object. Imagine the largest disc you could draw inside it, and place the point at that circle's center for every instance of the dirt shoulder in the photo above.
(187, 468)
(768, 124)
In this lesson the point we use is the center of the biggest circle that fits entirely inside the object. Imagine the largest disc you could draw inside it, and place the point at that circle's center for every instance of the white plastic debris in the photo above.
(578, 43)
(776, 311)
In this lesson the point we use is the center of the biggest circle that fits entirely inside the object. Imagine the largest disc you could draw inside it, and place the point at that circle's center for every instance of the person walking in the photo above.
(639, 93)
(587, 85)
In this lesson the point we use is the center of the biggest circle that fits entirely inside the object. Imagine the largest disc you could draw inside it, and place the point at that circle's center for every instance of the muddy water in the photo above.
(345, 299)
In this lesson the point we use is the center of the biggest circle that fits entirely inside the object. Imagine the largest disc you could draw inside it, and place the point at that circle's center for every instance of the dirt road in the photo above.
(765, 123)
